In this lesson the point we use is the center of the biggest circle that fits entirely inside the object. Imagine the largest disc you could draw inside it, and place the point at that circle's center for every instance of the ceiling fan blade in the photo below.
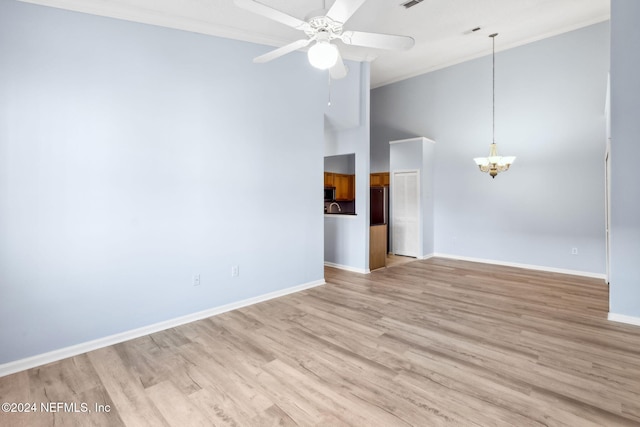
(273, 14)
(339, 70)
(376, 40)
(342, 10)
(282, 51)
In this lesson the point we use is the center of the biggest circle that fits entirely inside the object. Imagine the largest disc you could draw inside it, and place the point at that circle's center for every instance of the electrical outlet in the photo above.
(196, 280)
(235, 271)
(574, 251)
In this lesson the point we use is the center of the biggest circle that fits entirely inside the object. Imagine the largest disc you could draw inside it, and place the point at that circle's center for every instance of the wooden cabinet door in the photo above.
(345, 186)
(351, 188)
(379, 179)
(329, 179)
(342, 185)
(377, 246)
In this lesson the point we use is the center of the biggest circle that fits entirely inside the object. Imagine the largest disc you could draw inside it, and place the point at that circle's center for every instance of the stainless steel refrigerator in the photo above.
(379, 199)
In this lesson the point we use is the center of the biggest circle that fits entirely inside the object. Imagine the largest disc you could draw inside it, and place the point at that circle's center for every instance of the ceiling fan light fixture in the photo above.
(323, 55)
(320, 28)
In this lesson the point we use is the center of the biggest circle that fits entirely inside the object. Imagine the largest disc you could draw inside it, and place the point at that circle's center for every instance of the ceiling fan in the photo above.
(322, 28)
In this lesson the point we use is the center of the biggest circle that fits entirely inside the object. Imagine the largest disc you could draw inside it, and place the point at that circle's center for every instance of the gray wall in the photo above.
(550, 99)
(625, 152)
(343, 163)
(134, 156)
(346, 238)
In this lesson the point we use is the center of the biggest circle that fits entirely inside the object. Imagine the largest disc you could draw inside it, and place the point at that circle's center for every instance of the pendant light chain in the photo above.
(493, 131)
(494, 164)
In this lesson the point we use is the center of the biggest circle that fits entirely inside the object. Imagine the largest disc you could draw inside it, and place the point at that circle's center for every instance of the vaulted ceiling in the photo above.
(442, 29)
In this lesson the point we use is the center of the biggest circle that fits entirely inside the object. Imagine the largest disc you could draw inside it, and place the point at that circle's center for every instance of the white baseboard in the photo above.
(74, 350)
(431, 255)
(347, 268)
(623, 318)
(527, 266)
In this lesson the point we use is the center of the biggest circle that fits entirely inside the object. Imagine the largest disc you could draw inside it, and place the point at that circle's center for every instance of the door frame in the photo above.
(607, 213)
(392, 190)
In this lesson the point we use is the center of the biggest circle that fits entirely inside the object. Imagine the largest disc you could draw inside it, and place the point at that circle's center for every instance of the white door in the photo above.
(405, 216)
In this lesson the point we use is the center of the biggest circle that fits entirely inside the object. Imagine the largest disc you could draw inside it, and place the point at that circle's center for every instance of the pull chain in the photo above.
(329, 95)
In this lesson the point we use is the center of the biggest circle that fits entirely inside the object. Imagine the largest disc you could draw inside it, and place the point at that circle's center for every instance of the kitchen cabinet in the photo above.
(328, 179)
(377, 246)
(379, 179)
(345, 186)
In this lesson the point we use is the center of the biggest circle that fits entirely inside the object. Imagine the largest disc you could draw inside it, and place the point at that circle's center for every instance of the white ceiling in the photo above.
(441, 28)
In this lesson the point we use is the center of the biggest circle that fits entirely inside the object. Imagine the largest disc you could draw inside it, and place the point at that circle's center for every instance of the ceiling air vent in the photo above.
(411, 3)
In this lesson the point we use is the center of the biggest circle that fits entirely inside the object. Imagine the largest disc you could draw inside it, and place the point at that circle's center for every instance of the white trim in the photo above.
(416, 139)
(431, 255)
(74, 350)
(347, 268)
(527, 266)
(607, 205)
(623, 318)
(455, 61)
(339, 215)
(128, 12)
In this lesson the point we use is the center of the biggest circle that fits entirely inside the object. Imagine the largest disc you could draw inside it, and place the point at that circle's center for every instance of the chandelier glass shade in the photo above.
(494, 164)
(323, 55)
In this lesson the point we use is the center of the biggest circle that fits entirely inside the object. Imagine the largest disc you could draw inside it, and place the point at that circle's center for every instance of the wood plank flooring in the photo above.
(427, 343)
(393, 260)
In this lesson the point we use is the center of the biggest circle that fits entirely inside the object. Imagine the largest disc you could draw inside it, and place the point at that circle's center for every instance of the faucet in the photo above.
(334, 203)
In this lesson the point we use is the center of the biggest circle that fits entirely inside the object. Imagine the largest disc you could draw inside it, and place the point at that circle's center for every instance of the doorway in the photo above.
(405, 216)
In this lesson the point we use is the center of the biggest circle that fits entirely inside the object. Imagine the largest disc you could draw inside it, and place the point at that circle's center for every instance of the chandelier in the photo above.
(494, 163)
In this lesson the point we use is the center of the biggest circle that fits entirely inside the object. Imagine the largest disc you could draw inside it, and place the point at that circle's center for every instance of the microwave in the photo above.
(329, 194)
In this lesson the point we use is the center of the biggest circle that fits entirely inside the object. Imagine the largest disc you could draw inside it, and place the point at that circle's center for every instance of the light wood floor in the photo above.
(393, 260)
(427, 343)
